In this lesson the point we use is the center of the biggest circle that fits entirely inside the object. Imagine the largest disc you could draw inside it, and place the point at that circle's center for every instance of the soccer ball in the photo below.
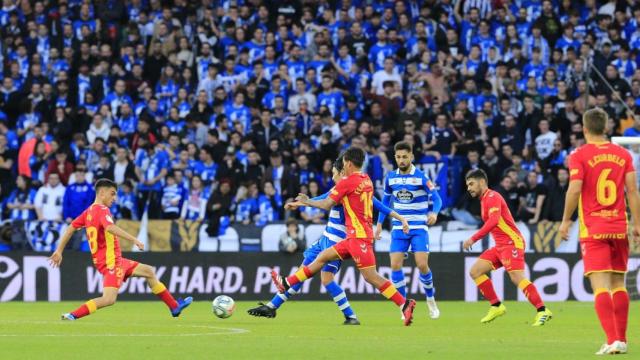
(223, 306)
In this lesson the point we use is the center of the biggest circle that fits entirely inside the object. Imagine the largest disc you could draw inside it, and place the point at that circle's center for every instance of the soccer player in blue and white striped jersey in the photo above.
(407, 190)
(334, 232)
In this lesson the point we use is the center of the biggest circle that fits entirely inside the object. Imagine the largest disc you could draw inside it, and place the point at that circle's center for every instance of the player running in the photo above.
(334, 233)
(406, 190)
(105, 249)
(355, 193)
(508, 251)
(599, 173)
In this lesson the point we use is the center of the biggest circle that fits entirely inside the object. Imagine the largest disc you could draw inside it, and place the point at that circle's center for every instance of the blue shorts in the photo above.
(418, 239)
(319, 246)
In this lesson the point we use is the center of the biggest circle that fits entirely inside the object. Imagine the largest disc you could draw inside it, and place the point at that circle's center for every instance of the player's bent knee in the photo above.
(423, 267)
(108, 300)
(146, 271)
(475, 273)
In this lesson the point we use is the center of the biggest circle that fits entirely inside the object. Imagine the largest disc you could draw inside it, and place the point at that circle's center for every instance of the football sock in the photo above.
(85, 309)
(340, 299)
(279, 299)
(427, 284)
(299, 276)
(620, 299)
(485, 286)
(531, 292)
(163, 294)
(397, 276)
(605, 311)
(387, 290)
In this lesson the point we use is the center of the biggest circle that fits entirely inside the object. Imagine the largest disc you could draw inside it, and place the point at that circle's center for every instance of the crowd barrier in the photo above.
(179, 235)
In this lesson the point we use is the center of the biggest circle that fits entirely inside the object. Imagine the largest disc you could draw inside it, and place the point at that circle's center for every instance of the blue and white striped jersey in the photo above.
(170, 194)
(408, 194)
(336, 230)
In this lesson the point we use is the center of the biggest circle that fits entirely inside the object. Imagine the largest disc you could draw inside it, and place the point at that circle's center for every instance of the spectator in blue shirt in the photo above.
(152, 165)
(246, 201)
(117, 97)
(237, 111)
(269, 205)
(20, 202)
(77, 197)
(331, 97)
(171, 198)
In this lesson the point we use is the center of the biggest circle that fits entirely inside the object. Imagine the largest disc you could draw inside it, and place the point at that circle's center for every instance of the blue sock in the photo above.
(340, 299)
(427, 284)
(397, 278)
(279, 299)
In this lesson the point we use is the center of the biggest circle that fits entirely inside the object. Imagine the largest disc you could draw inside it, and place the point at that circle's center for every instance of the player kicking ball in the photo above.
(407, 191)
(508, 252)
(599, 173)
(334, 233)
(355, 193)
(105, 250)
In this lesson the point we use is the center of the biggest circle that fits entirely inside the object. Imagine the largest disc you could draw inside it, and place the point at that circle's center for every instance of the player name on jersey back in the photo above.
(602, 168)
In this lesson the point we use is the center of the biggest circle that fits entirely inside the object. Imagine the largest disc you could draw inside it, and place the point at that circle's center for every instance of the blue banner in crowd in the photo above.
(438, 172)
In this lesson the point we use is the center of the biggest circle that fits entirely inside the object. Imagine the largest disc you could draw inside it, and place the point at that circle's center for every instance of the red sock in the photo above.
(485, 286)
(299, 276)
(620, 300)
(390, 292)
(161, 292)
(531, 293)
(604, 309)
(85, 309)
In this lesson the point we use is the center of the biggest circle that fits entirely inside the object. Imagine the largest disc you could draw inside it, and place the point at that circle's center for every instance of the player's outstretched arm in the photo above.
(116, 230)
(633, 198)
(570, 205)
(56, 258)
(325, 204)
(296, 204)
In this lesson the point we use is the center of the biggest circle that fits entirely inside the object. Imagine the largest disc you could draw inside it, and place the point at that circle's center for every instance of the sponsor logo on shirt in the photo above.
(404, 196)
(606, 213)
(610, 236)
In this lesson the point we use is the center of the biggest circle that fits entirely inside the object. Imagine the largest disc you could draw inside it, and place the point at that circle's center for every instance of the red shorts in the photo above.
(511, 258)
(604, 255)
(122, 271)
(361, 250)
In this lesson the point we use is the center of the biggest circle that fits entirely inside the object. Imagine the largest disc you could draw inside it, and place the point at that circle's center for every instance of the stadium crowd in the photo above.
(227, 109)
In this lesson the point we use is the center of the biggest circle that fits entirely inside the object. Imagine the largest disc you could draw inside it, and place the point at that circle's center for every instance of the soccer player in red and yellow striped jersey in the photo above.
(355, 193)
(599, 173)
(105, 250)
(508, 252)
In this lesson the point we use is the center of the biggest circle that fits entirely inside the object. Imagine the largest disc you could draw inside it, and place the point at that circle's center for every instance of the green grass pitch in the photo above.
(302, 330)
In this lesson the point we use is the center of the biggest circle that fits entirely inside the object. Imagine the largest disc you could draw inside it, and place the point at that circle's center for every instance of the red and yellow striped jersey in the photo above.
(498, 221)
(355, 193)
(105, 247)
(602, 209)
